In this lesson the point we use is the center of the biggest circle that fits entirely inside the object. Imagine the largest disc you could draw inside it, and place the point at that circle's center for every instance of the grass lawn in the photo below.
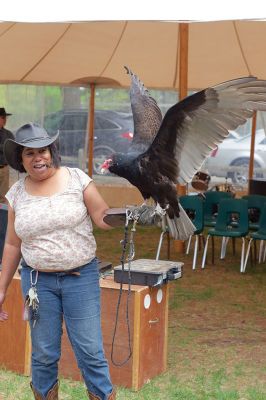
(217, 326)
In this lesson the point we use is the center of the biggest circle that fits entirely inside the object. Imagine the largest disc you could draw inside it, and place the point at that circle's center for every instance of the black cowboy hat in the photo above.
(3, 112)
(30, 135)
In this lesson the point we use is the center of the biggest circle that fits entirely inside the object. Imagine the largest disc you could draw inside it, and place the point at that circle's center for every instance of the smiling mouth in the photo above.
(39, 166)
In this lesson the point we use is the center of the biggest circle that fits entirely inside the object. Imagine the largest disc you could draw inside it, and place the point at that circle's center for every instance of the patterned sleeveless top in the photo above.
(56, 231)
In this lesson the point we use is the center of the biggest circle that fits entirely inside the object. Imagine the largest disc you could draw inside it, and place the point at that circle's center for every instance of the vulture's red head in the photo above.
(105, 166)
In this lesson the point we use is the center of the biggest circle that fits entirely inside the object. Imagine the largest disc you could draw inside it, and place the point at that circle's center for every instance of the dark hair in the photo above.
(56, 159)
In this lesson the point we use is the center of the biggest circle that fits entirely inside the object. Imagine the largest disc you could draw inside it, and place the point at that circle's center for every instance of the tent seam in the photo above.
(7, 29)
(115, 48)
(47, 52)
(241, 47)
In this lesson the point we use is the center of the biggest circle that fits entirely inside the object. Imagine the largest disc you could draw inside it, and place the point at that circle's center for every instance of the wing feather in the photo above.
(147, 115)
(197, 124)
(192, 128)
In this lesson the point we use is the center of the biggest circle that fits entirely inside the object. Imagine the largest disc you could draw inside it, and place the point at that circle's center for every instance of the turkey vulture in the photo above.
(171, 149)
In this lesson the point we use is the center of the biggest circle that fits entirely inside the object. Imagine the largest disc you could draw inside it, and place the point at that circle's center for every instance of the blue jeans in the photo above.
(76, 299)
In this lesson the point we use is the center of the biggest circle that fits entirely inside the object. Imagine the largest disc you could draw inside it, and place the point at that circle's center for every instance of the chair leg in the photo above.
(264, 254)
(242, 262)
(247, 254)
(255, 252)
(203, 240)
(195, 251)
(212, 249)
(160, 245)
(251, 256)
(188, 244)
(261, 251)
(223, 247)
(199, 248)
(168, 245)
(205, 252)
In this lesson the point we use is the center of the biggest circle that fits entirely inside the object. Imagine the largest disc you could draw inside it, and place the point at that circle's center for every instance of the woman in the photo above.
(49, 225)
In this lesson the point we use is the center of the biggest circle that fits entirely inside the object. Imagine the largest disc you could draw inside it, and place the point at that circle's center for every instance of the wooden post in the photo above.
(252, 149)
(91, 130)
(183, 88)
(183, 60)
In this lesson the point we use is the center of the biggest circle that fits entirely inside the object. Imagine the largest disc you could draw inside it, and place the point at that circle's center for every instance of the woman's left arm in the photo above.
(96, 205)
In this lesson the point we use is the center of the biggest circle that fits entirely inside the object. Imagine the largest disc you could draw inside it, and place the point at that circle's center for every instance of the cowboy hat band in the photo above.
(30, 135)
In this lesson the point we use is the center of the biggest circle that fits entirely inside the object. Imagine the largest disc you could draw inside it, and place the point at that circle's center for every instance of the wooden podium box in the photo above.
(15, 346)
(148, 320)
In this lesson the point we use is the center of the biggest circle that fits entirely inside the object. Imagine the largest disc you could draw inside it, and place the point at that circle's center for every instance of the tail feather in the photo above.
(180, 228)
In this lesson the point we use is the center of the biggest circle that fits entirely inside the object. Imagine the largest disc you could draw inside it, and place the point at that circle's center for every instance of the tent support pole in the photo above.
(183, 73)
(252, 149)
(179, 245)
(91, 129)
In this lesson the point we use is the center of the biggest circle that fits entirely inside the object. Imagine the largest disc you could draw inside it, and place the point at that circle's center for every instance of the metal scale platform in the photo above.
(148, 272)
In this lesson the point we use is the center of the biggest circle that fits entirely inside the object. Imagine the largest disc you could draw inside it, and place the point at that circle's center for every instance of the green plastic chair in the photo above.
(232, 222)
(255, 206)
(211, 205)
(193, 205)
(260, 234)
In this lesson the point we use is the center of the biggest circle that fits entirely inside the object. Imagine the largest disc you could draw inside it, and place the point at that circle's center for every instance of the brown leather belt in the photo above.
(3, 166)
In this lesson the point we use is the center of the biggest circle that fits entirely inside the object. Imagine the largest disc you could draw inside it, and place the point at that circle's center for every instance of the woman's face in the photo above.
(37, 162)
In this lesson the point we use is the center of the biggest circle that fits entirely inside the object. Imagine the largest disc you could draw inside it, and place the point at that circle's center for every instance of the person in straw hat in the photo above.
(4, 170)
(50, 215)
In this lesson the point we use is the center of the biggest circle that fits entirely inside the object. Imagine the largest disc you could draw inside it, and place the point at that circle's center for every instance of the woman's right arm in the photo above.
(10, 260)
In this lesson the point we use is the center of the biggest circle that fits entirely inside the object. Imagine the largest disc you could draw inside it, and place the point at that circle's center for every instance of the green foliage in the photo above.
(29, 102)
(32, 103)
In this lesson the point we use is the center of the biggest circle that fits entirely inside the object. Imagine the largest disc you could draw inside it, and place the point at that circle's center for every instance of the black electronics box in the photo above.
(104, 266)
(147, 272)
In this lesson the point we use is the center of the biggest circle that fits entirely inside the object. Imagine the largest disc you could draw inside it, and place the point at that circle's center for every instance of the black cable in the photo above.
(120, 364)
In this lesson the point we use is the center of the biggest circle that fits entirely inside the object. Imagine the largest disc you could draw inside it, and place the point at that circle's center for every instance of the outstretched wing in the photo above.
(147, 115)
(192, 128)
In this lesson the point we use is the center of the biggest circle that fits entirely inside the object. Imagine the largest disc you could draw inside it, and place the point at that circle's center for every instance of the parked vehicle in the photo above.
(231, 158)
(233, 135)
(113, 131)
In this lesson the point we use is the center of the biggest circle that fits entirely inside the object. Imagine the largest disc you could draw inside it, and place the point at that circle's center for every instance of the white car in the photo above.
(231, 158)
